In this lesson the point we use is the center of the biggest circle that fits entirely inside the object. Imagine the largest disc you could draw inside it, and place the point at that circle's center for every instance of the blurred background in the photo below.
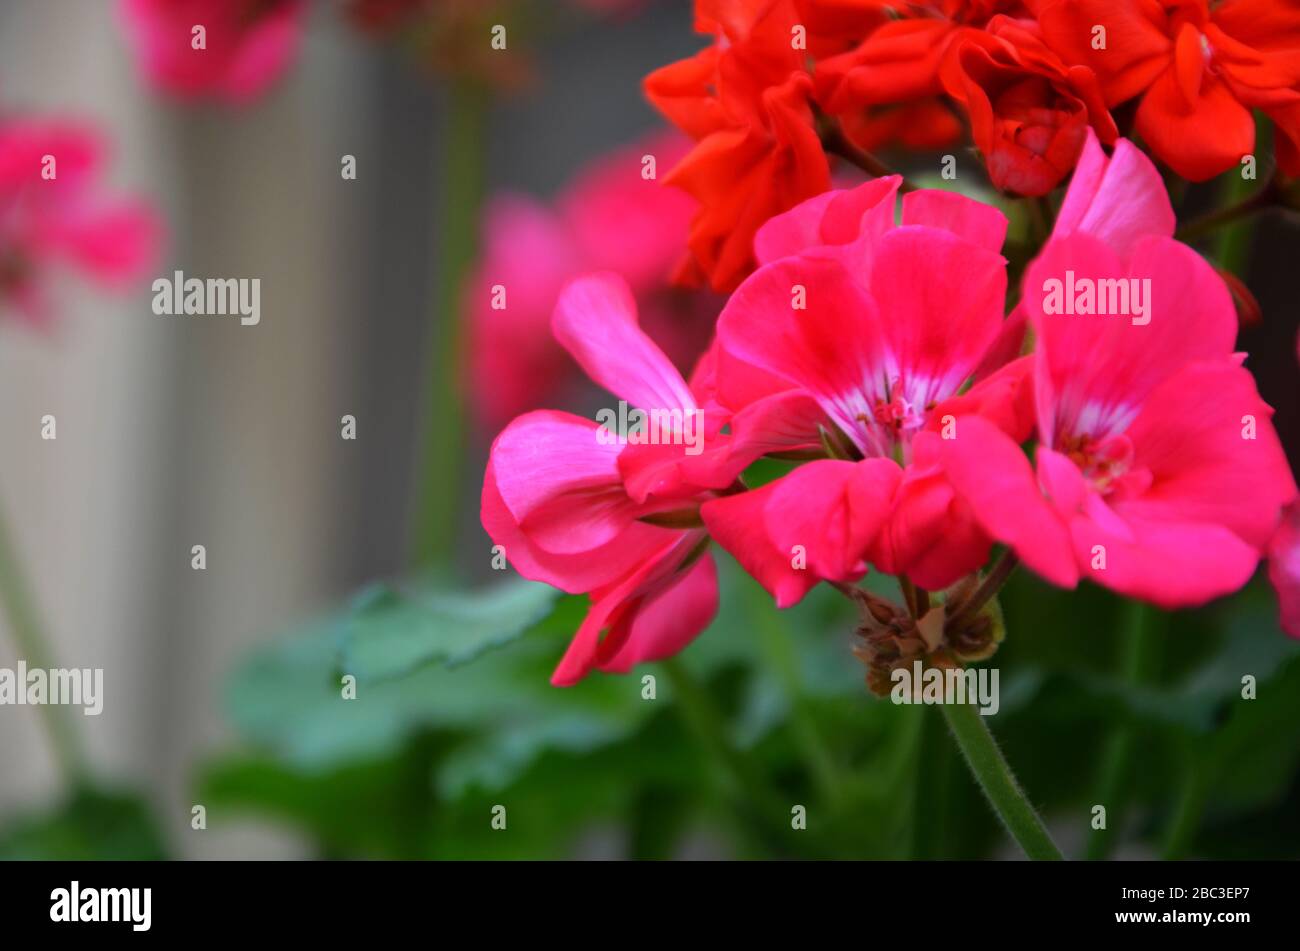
(221, 684)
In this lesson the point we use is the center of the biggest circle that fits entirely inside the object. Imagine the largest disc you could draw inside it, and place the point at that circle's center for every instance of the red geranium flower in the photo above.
(1199, 72)
(746, 100)
(889, 87)
(1029, 112)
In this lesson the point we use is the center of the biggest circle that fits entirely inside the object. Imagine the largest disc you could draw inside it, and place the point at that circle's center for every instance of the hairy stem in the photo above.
(995, 778)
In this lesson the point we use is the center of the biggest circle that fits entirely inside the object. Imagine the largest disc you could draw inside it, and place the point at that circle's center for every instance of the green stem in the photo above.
(34, 648)
(994, 776)
(1186, 818)
(1209, 223)
(835, 143)
(444, 423)
(987, 590)
(1139, 656)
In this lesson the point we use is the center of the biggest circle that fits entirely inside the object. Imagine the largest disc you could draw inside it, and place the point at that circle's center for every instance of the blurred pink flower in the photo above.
(1284, 569)
(53, 212)
(609, 218)
(248, 44)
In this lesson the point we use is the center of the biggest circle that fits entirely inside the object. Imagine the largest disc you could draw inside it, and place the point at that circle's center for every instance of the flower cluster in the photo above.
(786, 85)
(54, 214)
(870, 343)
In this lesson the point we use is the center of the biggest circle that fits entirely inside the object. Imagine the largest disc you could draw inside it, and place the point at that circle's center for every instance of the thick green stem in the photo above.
(994, 776)
(34, 648)
(438, 481)
(1139, 656)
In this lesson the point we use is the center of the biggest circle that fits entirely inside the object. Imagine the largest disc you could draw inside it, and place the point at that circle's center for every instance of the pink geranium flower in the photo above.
(610, 218)
(247, 44)
(1284, 569)
(1158, 473)
(554, 496)
(879, 326)
(54, 214)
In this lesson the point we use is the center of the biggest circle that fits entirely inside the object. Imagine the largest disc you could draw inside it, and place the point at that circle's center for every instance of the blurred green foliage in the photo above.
(91, 823)
(454, 714)
(766, 711)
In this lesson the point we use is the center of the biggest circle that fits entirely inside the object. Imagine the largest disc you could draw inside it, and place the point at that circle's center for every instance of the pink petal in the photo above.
(1170, 564)
(1190, 435)
(1116, 200)
(828, 349)
(665, 624)
(1007, 346)
(778, 423)
(1006, 399)
(736, 522)
(1097, 369)
(626, 223)
(595, 320)
(932, 536)
(1284, 570)
(117, 245)
(967, 218)
(832, 510)
(560, 483)
(575, 573)
(613, 609)
(990, 472)
(942, 301)
(831, 218)
(792, 231)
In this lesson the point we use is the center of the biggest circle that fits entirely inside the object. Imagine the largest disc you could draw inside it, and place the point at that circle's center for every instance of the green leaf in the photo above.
(390, 631)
